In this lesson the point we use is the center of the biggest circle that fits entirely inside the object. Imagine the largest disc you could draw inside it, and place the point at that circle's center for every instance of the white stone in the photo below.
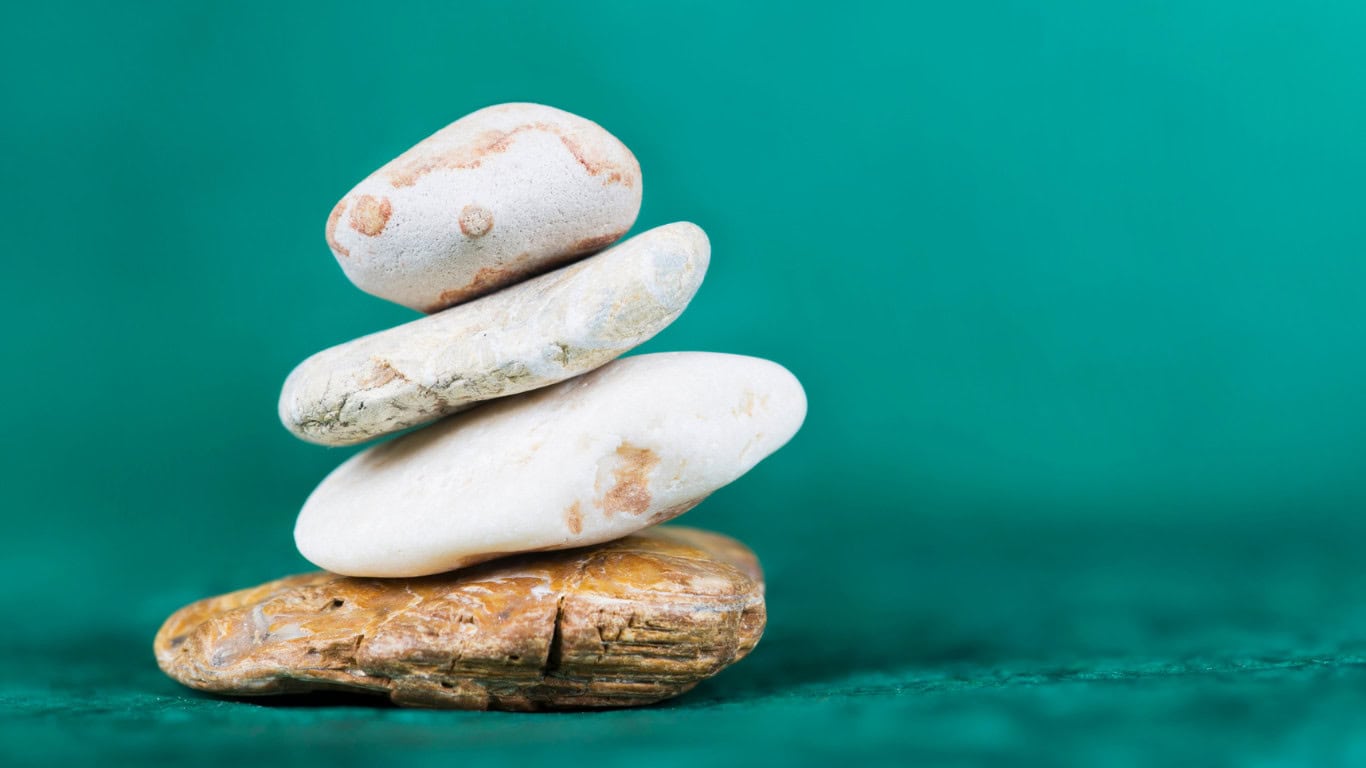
(500, 194)
(524, 337)
(636, 442)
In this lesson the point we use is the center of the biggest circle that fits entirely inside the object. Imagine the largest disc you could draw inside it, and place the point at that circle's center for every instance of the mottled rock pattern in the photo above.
(634, 443)
(524, 337)
(503, 193)
(626, 623)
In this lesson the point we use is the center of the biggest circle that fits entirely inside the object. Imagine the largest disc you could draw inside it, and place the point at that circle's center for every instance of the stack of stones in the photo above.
(506, 557)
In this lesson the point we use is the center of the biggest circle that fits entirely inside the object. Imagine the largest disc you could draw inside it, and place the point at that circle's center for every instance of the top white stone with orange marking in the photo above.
(634, 443)
(500, 194)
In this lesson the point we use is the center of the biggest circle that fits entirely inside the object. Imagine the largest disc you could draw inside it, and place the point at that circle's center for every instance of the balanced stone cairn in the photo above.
(504, 558)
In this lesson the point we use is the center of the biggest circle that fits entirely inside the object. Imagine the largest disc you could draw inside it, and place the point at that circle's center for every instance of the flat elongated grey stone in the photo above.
(636, 442)
(527, 336)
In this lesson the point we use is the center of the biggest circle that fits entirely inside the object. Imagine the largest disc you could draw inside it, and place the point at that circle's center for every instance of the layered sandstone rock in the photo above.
(626, 623)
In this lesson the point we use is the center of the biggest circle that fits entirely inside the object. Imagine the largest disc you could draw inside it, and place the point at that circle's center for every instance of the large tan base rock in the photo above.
(625, 623)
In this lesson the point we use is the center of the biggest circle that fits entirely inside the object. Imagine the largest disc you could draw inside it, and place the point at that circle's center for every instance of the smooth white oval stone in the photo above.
(500, 194)
(634, 443)
(524, 337)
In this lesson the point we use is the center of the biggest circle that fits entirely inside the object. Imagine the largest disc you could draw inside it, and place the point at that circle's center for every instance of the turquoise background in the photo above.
(1076, 291)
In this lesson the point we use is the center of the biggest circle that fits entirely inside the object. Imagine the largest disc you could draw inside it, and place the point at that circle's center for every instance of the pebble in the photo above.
(508, 555)
(501, 194)
(632, 444)
(627, 623)
(524, 337)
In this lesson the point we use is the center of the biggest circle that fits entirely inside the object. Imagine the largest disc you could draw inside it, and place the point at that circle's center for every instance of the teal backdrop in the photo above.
(1077, 292)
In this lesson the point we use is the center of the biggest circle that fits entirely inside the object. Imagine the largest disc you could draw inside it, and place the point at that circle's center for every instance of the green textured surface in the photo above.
(1048, 644)
(1076, 290)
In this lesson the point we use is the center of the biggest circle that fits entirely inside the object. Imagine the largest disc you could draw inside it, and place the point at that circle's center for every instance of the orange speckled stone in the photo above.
(626, 623)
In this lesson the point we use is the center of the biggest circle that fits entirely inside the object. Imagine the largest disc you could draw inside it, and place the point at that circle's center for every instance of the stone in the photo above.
(627, 623)
(634, 443)
(524, 337)
(503, 193)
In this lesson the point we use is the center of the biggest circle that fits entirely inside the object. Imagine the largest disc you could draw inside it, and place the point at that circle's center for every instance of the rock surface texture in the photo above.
(495, 197)
(627, 623)
(521, 338)
(636, 442)
(499, 558)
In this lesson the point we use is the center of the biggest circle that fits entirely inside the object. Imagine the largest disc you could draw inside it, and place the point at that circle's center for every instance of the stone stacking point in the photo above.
(508, 554)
